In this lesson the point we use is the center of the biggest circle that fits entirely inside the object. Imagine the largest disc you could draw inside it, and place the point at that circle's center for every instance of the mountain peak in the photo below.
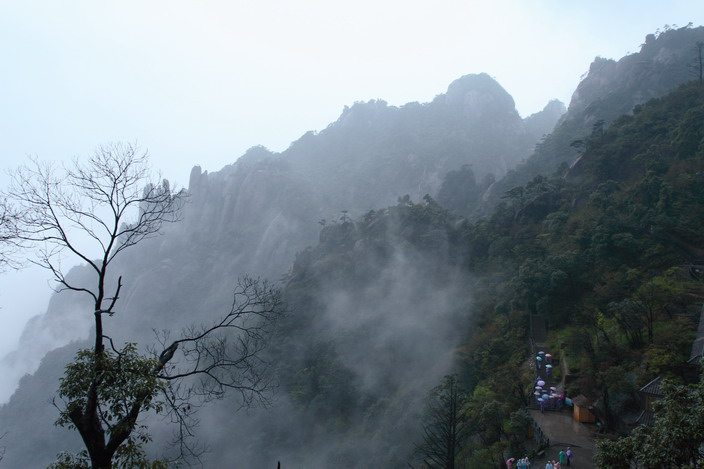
(542, 122)
(478, 91)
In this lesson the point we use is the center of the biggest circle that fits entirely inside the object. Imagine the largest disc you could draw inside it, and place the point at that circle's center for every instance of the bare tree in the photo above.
(94, 212)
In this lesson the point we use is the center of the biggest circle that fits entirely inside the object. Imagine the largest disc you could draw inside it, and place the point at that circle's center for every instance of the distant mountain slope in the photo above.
(611, 88)
(375, 153)
(372, 155)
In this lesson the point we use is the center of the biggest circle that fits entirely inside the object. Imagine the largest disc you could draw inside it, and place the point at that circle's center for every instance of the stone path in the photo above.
(564, 431)
(559, 426)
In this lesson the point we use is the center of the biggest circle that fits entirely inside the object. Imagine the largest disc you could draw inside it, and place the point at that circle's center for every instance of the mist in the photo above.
(62, 323)
(357, 362)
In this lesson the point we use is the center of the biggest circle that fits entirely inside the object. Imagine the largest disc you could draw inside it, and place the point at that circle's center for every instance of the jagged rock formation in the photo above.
(610, 89)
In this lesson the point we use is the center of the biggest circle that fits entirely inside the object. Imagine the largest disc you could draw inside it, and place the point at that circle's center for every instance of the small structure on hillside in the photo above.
(649, 393)
(583, 409)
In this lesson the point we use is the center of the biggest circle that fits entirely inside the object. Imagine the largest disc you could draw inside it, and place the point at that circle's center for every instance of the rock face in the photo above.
(610, 89)
(662, 64)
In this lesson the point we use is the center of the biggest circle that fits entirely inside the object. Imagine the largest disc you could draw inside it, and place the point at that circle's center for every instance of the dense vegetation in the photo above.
(603, 255)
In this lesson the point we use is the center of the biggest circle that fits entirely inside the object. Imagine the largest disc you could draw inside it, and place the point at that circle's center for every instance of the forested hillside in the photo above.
(604, 255)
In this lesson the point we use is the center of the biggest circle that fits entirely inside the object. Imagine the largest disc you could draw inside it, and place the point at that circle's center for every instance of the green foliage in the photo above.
(127, 457)
(121, 379)
(516, 428)
(599, 256)
(675, 440)
(323, 386)
(673, 341)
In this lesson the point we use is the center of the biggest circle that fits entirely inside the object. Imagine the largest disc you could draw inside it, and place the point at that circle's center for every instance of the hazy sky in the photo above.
(199, 82)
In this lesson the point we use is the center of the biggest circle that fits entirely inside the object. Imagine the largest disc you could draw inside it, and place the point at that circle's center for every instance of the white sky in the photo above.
(199, 82)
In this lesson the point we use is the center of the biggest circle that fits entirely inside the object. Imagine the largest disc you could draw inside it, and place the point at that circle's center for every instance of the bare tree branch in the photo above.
(227, 353)
(10, 241)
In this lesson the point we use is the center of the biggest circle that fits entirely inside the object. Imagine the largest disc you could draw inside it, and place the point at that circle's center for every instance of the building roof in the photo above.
(653, 387)
(581, 401)
(646, 418)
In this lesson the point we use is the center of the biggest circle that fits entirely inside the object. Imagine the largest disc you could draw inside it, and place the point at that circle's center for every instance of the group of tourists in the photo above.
(549, 399)
(523, 463)
(564, 459)
(546, 397)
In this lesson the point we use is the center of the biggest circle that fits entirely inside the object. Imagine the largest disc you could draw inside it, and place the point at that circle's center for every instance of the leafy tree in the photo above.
(86, 209)
(654, 297)
(126, 377)
(676, 440)
(516, 428)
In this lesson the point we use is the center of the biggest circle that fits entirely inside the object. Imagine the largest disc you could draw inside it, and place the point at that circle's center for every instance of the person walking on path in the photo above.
(563, 457)
(568, 453)
(549, 465)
